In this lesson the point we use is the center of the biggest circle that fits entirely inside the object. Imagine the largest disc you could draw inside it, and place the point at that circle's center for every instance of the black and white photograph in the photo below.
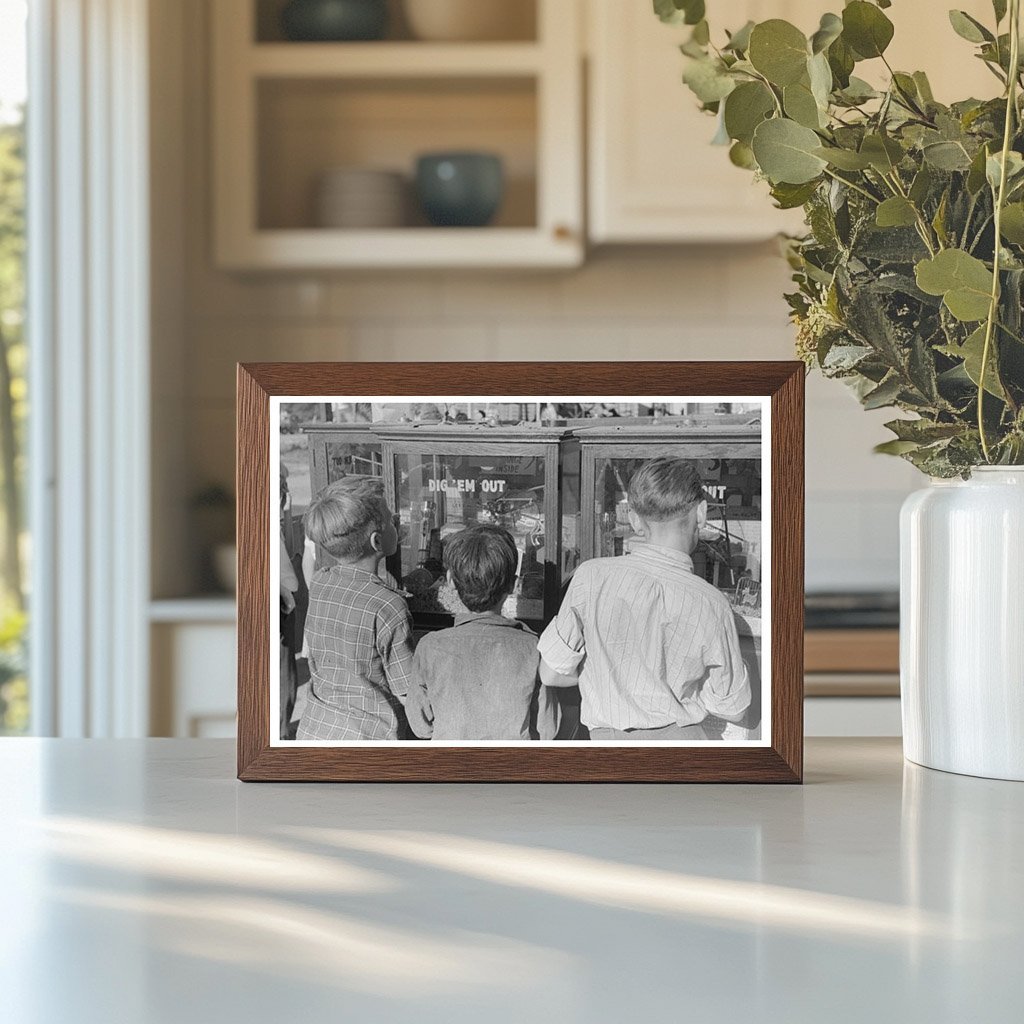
(505, 571)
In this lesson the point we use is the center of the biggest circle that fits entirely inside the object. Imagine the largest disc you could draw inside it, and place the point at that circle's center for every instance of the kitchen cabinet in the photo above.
(287, 113)
(653, 175)
(441, 478)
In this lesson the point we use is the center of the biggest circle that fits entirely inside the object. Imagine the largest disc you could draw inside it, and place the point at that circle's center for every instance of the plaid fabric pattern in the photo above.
(360, 651)
(653, 644)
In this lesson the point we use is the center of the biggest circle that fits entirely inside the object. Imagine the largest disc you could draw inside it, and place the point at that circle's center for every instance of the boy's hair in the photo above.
(343, 516)
(664, 489)
(483, 561)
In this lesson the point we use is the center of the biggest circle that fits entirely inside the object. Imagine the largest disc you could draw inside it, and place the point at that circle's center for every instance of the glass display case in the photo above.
(728, 458)
(441, 478)
(338, 450)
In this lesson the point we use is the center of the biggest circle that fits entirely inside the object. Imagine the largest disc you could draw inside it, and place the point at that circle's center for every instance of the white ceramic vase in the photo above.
(962, 624)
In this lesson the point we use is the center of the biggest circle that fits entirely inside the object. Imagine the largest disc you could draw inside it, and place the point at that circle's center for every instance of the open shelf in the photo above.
(286, 114)
(308, 127)
(393, 59)
(404, 248)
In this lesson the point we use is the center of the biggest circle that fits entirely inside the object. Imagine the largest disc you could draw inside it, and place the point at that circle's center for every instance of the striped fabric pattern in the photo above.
(360, 641)
(653, 644)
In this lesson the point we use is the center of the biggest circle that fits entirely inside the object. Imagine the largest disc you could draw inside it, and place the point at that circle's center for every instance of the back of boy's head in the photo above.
(345, 514)
(664, 489)
(483, 561)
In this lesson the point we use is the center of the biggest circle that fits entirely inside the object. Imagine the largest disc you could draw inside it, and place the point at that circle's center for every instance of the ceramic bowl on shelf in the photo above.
(361, 198)
(460, 189)
(332, 21)
(471, 20)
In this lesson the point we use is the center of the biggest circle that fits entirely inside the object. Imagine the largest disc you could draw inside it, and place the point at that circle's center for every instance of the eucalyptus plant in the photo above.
(910, 278)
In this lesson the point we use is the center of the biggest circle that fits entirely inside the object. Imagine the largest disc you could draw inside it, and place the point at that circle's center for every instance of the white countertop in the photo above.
(142, 884)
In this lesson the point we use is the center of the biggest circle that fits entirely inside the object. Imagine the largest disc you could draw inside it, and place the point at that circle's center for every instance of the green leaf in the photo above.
(976, 174)
(741, 155)
(866, 29)
(999, 6)
(968, 28)
(895, 447)
(820, 76)
(858, 91)
(971, 352)
(778, 50)
(844, 159)
(701, 33)
(947, 156)
(708, 80)
(994, 168)
(1012, 224)
(896, 212)
(745, 108)
(785, 152)
(939, 220)
(921, 185)
(789, 197)
(800, 105)
(924, 87)
(841, 60)
(883, 153)
(676, 12)
(739, 41)
(923, 431)
(963, 281)
(830, 29)
(885, 394)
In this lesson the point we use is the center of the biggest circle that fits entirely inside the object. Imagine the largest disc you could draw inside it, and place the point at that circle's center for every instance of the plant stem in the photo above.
(993, 309)
(855, 187)
(922, 225)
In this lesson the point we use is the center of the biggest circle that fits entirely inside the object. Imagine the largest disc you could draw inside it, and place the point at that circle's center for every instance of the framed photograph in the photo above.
(550, 572)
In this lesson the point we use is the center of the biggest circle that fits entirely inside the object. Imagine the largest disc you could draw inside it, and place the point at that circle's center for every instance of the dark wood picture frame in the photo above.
(780, 761)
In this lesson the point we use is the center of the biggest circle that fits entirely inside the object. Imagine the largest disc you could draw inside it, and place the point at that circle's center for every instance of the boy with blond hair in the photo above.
(653, 647)
(358, 627)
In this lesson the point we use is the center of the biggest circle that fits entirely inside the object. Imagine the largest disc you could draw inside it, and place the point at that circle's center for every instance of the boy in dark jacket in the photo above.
(478, 680)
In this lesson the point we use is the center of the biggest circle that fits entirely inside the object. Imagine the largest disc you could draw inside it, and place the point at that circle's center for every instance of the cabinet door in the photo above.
(654, 175)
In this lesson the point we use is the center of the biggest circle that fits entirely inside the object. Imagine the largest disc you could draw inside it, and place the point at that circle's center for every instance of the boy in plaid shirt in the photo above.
(358, 627)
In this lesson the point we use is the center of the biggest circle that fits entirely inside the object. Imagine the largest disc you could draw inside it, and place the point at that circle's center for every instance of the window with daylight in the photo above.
(14, 548)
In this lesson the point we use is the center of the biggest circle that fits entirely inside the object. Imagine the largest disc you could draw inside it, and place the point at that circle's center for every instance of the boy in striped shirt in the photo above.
(653, 647)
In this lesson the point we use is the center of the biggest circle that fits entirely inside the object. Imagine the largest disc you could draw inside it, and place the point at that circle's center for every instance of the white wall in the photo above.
(655, 303)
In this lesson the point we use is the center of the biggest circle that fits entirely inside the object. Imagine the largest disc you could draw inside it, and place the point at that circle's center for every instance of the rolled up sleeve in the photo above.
(562, 645)
(726, 689)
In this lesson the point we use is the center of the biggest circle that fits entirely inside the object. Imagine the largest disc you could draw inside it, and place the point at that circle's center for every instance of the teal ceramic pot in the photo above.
(332, 21)
(460, 189)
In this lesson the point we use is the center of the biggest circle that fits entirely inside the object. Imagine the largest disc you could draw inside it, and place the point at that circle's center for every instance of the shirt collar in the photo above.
(490, 618)
(358, 573)
(656, 553)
